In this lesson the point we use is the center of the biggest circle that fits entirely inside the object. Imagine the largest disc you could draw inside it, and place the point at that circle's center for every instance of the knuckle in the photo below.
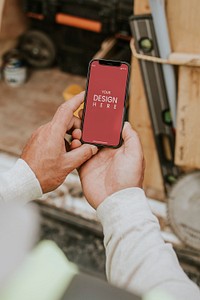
(62, 107)
(65, 108)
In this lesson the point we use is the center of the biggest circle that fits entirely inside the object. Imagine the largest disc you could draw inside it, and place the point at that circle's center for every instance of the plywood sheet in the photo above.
(25, 108)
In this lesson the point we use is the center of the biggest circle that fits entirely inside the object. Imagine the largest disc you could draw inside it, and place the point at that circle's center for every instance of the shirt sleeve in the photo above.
(19, 184)
(137, 257)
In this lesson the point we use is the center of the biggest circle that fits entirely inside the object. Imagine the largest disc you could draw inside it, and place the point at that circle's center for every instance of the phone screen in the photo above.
(105, 102)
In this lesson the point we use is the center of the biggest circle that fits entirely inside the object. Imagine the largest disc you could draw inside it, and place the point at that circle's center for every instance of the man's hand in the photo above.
(45, 152)
(112, 170)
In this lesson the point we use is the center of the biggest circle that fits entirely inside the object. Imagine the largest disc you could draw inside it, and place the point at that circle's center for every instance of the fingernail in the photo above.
(83, 92)
(94, 149)
(128, 125)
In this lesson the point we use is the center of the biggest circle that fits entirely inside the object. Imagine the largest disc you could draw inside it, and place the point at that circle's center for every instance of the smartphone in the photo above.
(104, 105)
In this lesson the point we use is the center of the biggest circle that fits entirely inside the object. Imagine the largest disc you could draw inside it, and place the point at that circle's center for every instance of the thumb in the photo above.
(76, 157)
(127, 132)
(130, 137)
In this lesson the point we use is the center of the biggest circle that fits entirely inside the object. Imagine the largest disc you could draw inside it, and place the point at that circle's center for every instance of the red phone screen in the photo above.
(104, 104)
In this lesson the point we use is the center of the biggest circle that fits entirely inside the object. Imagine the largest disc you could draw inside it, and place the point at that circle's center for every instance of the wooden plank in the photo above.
(25, 108)
(140, 119)
(183, 21)
(141, 7)
(188, 135)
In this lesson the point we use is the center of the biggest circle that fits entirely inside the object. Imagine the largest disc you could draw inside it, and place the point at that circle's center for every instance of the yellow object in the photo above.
(71, 91)
(44, 275)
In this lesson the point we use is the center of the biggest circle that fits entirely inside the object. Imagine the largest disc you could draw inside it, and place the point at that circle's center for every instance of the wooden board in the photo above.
(188, 135)
(183, 21)
(25, 108)
(140, 119)
(184, 25)
(141, 7)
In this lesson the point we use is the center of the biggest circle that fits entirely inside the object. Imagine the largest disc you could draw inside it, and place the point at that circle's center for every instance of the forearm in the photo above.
(137, 257)
(19, 184)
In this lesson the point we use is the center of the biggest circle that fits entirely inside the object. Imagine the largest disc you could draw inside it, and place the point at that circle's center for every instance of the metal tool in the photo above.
(184, 209)
(145, 43)
(162, 35)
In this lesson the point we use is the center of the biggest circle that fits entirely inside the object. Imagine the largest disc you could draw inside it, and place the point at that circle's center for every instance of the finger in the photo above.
(75, 123)
(131, 139)
(76, 134)
(78, 156)
(75, 144)
(64, 113)
(80, 114)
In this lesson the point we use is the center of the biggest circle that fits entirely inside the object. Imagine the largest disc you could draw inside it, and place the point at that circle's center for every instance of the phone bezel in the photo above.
(109, 63)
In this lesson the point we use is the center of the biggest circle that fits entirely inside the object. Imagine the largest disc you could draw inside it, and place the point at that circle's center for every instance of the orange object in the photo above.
(71, 91)
(69, 20)
(76, 113)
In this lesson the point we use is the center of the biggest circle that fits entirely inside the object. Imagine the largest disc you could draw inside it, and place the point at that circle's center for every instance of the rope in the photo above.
(179, 59)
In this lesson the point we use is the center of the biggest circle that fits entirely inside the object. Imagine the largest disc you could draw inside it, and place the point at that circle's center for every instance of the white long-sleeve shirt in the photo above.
(137, 257)
(19, 184)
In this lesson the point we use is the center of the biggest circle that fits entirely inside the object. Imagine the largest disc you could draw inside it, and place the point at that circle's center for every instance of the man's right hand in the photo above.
(46, 152)
(112, 170)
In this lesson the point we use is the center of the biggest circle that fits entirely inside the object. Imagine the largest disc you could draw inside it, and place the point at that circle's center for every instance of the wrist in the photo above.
(114, 193)
(122, 194)
(130, 203)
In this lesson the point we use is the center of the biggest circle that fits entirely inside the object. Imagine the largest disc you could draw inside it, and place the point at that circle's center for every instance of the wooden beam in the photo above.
(141, 7)
(140, 120)
(188, 133)
(183, 21)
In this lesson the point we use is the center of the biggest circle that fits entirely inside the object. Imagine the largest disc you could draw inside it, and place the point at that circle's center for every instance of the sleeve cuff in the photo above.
(128, 206)
(20, 184)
